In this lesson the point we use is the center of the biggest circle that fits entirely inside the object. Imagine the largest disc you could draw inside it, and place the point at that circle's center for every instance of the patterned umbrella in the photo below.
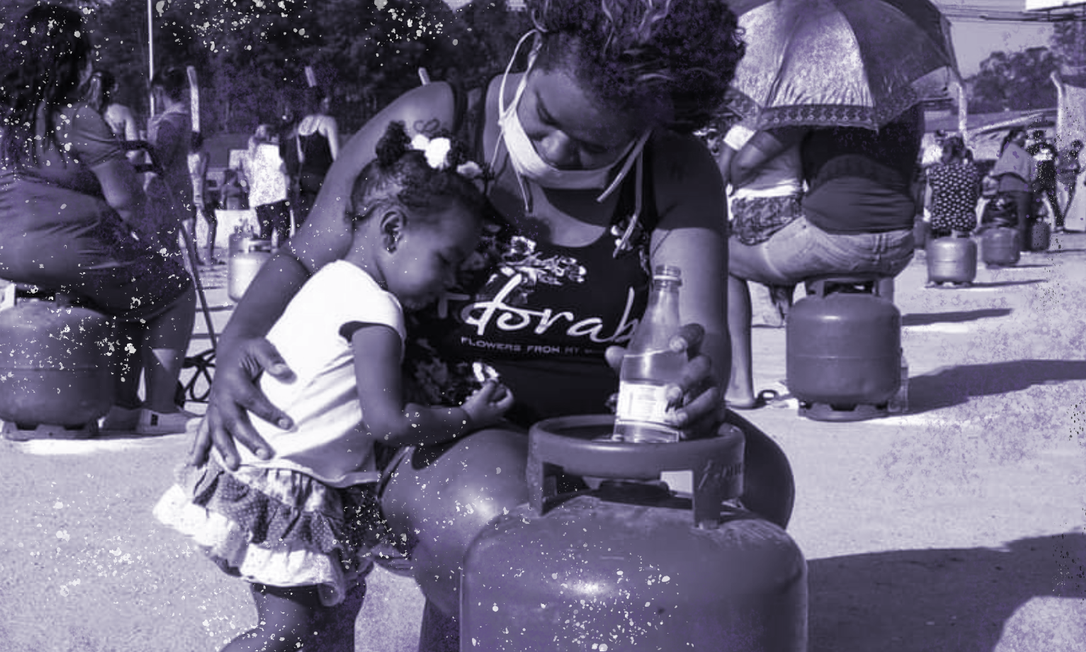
(856, 63)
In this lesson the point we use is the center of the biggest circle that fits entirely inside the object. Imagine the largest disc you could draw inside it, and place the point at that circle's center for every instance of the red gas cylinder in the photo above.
(843, 350)
(55, 368)
(439, 497)
(1000, 246)
(632, 565)
(952, 260)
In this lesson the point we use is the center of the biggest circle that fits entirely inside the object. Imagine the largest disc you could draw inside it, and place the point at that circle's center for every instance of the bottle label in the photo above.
(645, 403)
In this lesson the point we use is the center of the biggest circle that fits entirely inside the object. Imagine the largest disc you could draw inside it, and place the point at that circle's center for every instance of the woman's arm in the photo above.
(693, 236)
(243, 353)
(377, 351)
(94, 143)
(763, 146)
(724, 159)
(124, 193)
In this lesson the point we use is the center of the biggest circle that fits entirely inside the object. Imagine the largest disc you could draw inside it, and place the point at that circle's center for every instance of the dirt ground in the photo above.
(958, 526)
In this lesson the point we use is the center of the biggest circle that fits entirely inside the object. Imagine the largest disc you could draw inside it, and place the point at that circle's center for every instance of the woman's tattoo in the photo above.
(429, 127)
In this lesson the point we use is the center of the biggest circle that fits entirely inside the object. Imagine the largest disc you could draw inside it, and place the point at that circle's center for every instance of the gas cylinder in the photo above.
(843, 350)
(632, 565)
(1000, 246)
(436, 499)
(55, 368)
(1040, 235)
(247, 256)
(952, 260)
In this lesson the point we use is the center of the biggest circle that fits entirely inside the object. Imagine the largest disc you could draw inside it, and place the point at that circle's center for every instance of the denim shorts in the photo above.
(801, 250)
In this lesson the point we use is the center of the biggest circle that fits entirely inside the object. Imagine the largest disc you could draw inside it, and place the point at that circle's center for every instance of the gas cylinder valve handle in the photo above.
(716, 462)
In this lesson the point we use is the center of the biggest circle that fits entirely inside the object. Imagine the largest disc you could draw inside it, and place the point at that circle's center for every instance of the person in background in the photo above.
(953, 191)
(265, 175)
(201, 197)
(121, 120)
(857, 218)
(932, 153)
(317, 142)
(74, 218)
(285, 132)
(233, 190)
(300, 527)
(170, 136)
(1068, 167)
(766, 177)
(1016, 172)
(1044, 154)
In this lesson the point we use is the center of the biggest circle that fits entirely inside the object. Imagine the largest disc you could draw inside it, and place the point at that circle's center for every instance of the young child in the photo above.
(299, 527)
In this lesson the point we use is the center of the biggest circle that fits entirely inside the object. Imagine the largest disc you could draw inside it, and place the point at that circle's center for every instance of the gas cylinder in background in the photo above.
(632, 565)
(843, 350)
(952, 260)
(247, 255)
(1000, 246)
(56, 367)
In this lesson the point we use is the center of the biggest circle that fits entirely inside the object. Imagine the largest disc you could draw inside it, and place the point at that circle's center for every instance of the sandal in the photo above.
(764, 398)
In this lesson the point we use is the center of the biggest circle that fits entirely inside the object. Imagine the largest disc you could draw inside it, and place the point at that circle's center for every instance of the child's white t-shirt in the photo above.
(327, 441)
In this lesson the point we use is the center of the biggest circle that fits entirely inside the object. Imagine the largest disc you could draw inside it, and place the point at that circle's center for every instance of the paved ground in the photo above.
(959, 526)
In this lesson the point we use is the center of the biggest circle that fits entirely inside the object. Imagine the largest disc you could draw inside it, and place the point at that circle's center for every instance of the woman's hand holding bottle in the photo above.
(701, 409)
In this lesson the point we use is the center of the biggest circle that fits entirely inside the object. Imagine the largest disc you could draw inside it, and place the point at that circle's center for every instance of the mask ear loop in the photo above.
(624, 243)
(632, 156)
(525, 192)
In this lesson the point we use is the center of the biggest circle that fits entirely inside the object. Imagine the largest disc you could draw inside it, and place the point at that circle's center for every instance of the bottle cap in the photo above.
(667, 273)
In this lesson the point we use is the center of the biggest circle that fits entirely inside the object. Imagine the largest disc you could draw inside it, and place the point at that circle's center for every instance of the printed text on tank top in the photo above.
(514, 303)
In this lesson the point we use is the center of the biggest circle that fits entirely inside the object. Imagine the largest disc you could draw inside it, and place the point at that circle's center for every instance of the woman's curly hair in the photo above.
(670, 61)
(401, 174)
(44, 54)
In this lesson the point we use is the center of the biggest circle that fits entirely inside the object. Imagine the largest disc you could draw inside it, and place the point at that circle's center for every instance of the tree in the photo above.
(1014, 82)
(485, 33)
(1069, 43)
(250, 54)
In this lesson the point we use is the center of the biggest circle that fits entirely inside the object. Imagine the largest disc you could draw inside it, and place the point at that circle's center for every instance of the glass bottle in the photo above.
(650, 365)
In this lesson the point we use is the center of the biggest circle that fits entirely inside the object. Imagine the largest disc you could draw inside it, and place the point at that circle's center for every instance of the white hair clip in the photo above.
(436, 151)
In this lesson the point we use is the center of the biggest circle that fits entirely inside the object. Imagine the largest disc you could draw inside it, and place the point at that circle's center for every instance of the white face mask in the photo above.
(527, 162)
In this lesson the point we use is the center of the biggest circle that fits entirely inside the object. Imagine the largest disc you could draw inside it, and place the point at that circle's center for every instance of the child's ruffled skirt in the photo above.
(277, 527)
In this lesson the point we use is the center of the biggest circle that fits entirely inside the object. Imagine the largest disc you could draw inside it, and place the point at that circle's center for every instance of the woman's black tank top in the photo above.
(539, 314)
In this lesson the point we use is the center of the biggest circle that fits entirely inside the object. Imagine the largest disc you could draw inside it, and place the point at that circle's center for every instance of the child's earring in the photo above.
(390, 243)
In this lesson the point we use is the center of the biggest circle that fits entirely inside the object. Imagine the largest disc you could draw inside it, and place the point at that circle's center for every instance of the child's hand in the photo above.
(488, 404)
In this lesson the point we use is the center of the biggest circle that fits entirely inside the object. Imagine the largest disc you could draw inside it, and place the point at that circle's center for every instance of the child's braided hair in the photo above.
(402, 173)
